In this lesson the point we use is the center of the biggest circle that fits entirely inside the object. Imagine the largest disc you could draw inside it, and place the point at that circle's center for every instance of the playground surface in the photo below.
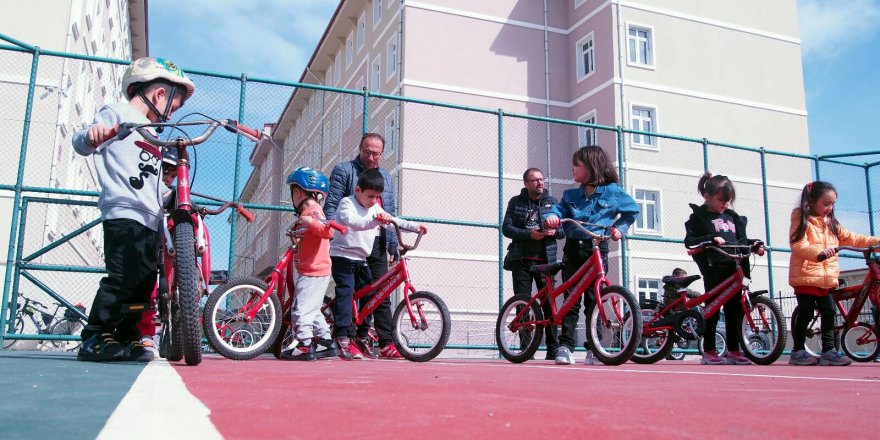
(48, 394)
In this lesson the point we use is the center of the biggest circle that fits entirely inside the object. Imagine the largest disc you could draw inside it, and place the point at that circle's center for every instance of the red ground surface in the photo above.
(266, 398)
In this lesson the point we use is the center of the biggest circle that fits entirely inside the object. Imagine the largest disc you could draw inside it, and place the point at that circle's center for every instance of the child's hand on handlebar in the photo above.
(552, 222)
(423, 230)
(718, 241)
(98, 134)
(615, 234)
(383, 218)
(827, 253)
(759, 249)
(306, 220)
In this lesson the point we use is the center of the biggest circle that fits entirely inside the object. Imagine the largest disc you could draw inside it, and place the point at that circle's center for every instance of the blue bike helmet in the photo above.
(309, 179)
(169, 157)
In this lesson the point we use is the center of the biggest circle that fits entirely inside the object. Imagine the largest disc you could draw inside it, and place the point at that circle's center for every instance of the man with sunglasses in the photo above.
(531, 244)
(343, 180)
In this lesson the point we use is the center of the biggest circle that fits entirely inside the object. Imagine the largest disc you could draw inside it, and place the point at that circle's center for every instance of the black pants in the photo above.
(349, 276)
(378, 263)
(806, 304)
(522, 285)
(131, 254)
(733, 311)
(574, 254)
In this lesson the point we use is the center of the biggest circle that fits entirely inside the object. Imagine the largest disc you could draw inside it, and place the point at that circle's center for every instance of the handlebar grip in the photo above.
(249, 131)
(249, 216)
(342, 229)
(233, 126)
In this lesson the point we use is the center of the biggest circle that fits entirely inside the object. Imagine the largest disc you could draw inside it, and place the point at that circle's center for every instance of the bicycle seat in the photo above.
(680, 282)
(549, 269)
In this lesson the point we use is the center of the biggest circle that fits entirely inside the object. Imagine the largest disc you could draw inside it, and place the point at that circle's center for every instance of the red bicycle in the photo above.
(763, 331)
(245, 320)
(615, 318)
(859, 340)
(187, 244)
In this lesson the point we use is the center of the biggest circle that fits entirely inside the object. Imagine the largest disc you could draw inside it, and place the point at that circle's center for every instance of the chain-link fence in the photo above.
(454, 168)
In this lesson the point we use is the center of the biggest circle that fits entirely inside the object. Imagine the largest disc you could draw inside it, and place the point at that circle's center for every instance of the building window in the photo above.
(578, 3)
(390, 134)
(337, 77)
(349, 50)
(377, 12)
(649, 207)
(362, 31)
(330, 77)
(648, 289)
(641, 46)
(391, 57)
(346, 112)
(75, 31)
(586, 60)
(587, 135)
(644, 119)
(376, 73)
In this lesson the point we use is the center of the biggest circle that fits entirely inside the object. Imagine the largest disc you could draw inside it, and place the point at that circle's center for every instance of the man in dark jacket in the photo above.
(532, 244)
(343, 180)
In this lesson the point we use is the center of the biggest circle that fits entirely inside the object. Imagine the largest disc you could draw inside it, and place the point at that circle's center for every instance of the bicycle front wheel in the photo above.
(422, 339)
(860, 342)
(66, 327)
(614, 339)
(653, 345)
(763, 336)
(230, 331)
(519, 344)
(17, 329)
(720, 343)
(813, 335)
(187, 275)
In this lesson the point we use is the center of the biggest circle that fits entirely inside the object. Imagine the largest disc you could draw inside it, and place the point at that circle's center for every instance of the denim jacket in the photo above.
(607, 203)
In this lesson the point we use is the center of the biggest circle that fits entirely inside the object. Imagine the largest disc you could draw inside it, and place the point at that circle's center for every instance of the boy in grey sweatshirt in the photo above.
(363, 216)
(130, 204)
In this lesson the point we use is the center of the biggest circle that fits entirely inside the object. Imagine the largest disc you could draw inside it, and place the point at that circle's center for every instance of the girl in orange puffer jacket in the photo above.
(814, 232)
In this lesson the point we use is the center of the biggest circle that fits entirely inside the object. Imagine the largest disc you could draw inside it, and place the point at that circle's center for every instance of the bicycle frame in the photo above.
(869, 289)
(397, 275)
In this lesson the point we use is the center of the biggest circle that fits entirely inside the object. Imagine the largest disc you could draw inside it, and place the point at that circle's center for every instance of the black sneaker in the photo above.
(365, 345)
(324, 348)
(344, 348)
(101, 348)
(136, 351)
(300, 353)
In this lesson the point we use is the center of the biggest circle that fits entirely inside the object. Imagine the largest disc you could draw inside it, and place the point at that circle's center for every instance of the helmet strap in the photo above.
(163, 116)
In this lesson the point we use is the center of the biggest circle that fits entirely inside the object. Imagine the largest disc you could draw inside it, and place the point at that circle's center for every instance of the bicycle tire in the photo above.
(677, 355)
(774, 331)
(66, 327)
(421, 343)
(720, 343)
(233, 337)
(813, 335)
(521, 345)
(17, 329)
(866, 352)
(655, 348)
(285, 333)
(615, 342)
(186, 273)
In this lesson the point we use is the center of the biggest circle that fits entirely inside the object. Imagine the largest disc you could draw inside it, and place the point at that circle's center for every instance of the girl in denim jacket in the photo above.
(599, 200)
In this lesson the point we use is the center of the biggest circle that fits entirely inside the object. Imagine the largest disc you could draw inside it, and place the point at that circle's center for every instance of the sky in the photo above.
(275, 38)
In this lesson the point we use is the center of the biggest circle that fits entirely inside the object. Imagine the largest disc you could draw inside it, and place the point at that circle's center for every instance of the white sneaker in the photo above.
(564, 357)
(591, 359)
(150, 344)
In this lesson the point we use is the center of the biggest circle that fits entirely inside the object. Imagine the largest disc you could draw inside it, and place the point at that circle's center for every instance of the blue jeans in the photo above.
(349, 276)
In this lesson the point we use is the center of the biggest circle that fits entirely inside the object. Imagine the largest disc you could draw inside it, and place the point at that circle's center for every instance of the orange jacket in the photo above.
(804, 268)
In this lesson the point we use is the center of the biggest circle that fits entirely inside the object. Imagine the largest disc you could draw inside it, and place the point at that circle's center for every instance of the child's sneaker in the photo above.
(390, 352)
(136, 352)
(833, 358)
(802, 358)
(324, 348)
(303, 352)
(711, 358)
(564, 357)
(101, 348)
(590, 359)
(344, 348)
(736, 358)
(365, 346)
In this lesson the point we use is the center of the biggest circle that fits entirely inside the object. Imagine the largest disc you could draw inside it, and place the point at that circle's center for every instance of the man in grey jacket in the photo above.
(343, 180)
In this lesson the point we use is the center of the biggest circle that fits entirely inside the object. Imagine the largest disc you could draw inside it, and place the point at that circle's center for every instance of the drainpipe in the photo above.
(399, 104)
(621, 53)
(547, 96)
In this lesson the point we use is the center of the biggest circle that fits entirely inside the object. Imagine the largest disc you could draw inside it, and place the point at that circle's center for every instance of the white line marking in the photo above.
(159, 406)
(698, 373)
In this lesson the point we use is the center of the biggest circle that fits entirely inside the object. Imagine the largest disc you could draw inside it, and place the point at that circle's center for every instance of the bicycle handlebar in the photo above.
(404, 248)
(863, 250)
(231, 125)
(238, 207)
(582, 226)
(714, 247)
(332, 223)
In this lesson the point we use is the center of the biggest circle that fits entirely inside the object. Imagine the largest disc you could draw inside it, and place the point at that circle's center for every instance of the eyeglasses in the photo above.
(536, 180)
(371, 153)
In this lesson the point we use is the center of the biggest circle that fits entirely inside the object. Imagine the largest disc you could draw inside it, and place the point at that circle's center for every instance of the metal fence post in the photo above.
(870, 197)
(500, 208)
(705, 155)
(624, 243)
(816, 167)
(767, 241)
(365, 123)
(19, 180)
(235, 186)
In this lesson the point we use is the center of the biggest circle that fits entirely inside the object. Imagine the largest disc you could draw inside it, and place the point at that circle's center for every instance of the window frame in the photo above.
(361, 31)
(658, 210)
(349, 49)
(377, 84)
(579, 64)
(592, 114)
(652, 46)
(377, 12)
(655, 293)
(654, 145)
(391, 69)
